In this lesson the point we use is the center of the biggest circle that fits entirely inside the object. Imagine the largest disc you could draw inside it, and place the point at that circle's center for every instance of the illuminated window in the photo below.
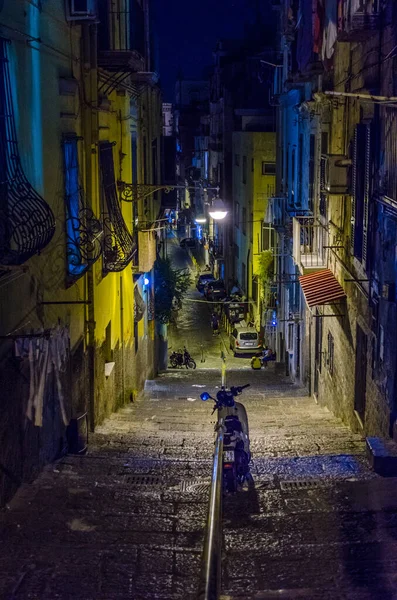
(75, 262)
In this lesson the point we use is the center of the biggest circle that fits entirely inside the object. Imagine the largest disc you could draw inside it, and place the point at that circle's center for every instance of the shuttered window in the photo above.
(360, 191)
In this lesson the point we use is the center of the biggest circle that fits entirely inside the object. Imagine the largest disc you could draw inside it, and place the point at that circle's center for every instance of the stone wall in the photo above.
(337, 389)
(25, 447)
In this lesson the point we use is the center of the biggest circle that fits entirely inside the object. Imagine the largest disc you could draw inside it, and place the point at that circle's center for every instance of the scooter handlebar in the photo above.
(236, 390)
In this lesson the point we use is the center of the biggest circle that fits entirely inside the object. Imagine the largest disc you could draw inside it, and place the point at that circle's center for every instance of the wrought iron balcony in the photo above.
(84, 232)
(119, 246)
(27, 223)
(309, 239)
(121, 37)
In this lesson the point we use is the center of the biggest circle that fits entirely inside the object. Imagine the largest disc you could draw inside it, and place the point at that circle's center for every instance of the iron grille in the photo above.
(27, 222)
(119, 246)
(84, 232)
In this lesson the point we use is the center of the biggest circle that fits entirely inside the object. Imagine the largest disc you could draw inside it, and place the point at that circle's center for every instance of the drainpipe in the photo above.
(310, 355)
(90, 138)
(122, 338)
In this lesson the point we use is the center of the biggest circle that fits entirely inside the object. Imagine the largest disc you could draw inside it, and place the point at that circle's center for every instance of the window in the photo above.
(330, 358)
(244, 220)
(374, 361)
(312, 146)
(237, 214)
(237, 160)
(248, 336)
(27, 222)
(268, 241)
(287, 170)
(360, 191)
(244, 169)
(324, 142)
(144, 152)
(255, 288)
(293, 155)
(300, 171)
(381, 344)
(268, 168)
(75, 265)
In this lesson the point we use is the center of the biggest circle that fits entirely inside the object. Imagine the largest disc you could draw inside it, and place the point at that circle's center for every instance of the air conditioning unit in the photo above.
(334, 174)
(81, 10)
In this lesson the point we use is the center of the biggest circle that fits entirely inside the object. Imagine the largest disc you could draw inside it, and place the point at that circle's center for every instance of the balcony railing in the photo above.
(121, 41)
(27, 223)
(119, 245)
(309, 239)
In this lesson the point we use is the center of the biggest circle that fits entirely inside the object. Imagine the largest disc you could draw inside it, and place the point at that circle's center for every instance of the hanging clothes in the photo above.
(46, 354)
(38, 368)
(330, 32)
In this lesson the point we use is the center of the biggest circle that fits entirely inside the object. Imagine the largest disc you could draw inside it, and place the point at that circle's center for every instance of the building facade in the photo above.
(334, 206)
(80, 119)
(254, 169)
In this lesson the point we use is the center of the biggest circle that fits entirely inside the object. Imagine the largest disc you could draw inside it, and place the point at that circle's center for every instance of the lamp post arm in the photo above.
(133, 192)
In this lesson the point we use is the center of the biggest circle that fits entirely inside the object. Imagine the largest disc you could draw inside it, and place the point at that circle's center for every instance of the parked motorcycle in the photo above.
(176, 360)
(232, 417)
(182, 359)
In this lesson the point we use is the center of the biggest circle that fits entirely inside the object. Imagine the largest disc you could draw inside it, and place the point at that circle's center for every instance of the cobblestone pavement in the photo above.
(126, 521)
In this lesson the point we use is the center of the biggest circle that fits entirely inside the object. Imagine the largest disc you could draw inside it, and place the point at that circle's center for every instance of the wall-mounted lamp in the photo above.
(218, 210)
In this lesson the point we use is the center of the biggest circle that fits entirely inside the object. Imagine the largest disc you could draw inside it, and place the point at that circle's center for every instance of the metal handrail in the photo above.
(210, 577)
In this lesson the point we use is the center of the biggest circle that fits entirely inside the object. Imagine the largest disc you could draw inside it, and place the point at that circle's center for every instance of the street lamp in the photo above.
(218, 210)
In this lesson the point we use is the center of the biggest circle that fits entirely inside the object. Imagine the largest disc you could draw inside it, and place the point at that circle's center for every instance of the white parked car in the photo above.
(245, 340)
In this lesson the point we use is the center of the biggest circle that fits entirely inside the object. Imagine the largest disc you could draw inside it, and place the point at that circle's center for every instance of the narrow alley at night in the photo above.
(198, 300)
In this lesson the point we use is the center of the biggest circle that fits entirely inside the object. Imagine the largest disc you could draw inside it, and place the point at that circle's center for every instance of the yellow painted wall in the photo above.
(264, 150)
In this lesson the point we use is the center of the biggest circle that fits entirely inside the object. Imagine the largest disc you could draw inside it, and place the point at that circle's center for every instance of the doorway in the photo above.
(360, 388)
(317, 351)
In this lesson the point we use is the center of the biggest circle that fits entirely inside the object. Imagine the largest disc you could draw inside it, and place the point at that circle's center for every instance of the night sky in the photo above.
(187, 32)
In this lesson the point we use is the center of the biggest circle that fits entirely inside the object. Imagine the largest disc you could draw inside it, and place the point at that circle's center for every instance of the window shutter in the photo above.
(367, 175)
(354, 191)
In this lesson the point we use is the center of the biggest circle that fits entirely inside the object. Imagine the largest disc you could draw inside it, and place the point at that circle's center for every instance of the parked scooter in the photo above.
(232, 416)
(182, 359)
(176, 360)
(188, 361)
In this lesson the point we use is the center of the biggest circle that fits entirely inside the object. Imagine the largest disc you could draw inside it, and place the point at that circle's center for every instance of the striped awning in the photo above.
(321, 287)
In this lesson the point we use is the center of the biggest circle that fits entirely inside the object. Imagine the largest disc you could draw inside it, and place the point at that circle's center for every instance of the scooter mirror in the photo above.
(205, 396)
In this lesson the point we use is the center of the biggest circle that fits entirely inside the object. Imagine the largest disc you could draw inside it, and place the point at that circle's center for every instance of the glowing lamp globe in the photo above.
(218, 210)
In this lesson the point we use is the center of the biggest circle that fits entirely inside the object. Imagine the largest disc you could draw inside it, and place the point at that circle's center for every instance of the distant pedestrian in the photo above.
(215, 324)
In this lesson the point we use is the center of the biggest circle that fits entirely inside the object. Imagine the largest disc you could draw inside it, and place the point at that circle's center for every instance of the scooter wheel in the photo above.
(191, 364)
(230, 481)
(174, 364)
